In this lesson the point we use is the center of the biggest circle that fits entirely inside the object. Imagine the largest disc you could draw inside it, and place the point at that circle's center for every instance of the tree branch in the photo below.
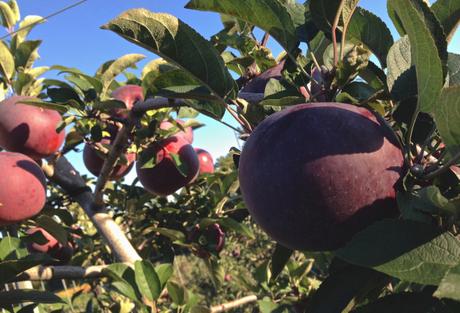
(233, 304)
(42, 273)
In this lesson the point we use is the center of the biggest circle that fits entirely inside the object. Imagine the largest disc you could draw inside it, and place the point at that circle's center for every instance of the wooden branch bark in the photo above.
(233, 304)
(42, 273)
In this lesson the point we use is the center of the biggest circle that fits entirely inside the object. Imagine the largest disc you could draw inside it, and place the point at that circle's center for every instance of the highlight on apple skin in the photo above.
(206, 161)
(164, 178)
(22, 188)
(129, 94)
(28, 129)
(313, 175)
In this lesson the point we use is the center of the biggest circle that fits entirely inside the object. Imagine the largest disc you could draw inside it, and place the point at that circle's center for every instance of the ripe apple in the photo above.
(94, 162)
(313, 175)
(129, 94)
(258, 83)
(165, 178)
(209, 240)
(206, 161)
(53, 247)
(188, 134)
(22, 188)
(29, 129)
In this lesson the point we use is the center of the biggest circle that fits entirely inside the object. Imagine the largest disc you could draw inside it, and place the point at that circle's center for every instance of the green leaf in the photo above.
(176, 292)
(54, 228)
(374, 76)
(237, 227)
(25, 27)
(342, 288)
(450, 285)
(280, 257)
(6, 61)
(46, 105)
(14, 297)
(147, 280)
(158, 66)
(427, 43)
(95, 82)
(8, 245)
(177, 43)
(124, 280)
(15, 9)
(408, 250)
(26, 54)
(401, 77)
(323, 13)
(273, 16)
(172, 234)
(405, 303)
(117, 67)
(164, 272)
(448, 13)
(10, 268)
(453, 64)
(372, 32)
(7, 15)
(446, 117)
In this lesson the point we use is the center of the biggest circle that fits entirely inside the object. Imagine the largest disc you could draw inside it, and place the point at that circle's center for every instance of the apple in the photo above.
(129, 94)
(53, 247)
(22, 188)
(94, 162)
(187, 134)
(313, 175)
(210, 239)
(206, 161)
(258, 83)
(164, 178)
(29, 129)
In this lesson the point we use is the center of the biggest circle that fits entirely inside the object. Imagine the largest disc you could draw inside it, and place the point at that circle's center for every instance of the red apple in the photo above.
(258, 83)
(188, 134)
(29, 129)
(22, 188)
(129, 94)
(53, 247)
(164, 178)
(94, 162)
(206, 161)
(313, 175)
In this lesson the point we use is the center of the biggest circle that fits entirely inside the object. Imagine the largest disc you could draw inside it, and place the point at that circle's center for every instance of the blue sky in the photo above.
(74, 39)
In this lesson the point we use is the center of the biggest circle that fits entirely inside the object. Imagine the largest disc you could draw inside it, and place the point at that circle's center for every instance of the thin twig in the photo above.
(233, 304)
(444, 168)
(265, 39)
(334, 31)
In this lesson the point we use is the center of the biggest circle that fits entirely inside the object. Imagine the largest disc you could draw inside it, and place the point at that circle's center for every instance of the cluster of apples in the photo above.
(164, 178)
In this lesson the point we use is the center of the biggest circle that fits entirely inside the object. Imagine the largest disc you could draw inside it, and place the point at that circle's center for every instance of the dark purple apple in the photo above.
(28, 129)
(164, 178)
(94, 162)
(22, 188)
(258, 83)
(206, 161)
(187, 134)
(53, 247)
(313, 175)
(129, 94)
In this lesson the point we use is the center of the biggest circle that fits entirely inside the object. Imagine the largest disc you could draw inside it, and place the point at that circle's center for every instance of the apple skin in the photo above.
(94, 162)
(188, 134)
(28, 129)
(129, 94)
(164, 178)
(313, 175)
(258, 83)
(206, 161)
(53, 247)
(22, 188)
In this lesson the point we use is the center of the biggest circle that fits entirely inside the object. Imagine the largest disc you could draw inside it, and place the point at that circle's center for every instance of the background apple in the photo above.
(164, 178)
(206, 161)
(129, 94)
(315, 174)
(53, 247)
(22, 188)
(29, 129)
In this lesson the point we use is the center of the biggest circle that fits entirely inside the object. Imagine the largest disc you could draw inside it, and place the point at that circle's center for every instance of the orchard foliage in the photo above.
(188, 244)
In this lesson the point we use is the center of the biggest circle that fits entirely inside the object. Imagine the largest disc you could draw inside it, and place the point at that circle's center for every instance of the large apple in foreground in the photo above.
(206, 161)
(315, 174)
(53, 247)
(129, 94)
(165, 178)
(94, 161)
(29, 129)
(187, 133)
(22, 188)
